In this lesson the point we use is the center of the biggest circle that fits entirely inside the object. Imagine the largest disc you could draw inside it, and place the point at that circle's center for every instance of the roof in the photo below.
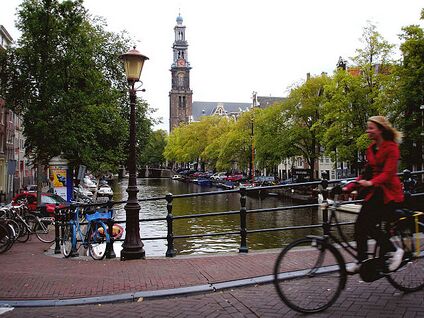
(219, 108)
(266, 101)
(5, 34)
(200, 109)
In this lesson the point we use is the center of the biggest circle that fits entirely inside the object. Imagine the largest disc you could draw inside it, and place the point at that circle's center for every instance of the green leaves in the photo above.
(65, 80)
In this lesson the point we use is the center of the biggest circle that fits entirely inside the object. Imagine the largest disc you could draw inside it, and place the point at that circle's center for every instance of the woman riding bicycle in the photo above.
(381, 190)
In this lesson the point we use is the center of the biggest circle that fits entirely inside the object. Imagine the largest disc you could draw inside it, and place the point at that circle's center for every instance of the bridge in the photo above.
(155, 173)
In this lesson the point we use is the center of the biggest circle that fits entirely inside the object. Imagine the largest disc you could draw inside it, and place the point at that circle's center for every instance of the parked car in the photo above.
(235, 177)
(48, 200)
(219, 176)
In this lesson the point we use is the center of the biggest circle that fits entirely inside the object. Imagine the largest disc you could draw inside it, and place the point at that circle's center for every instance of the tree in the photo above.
(344, 116)
(304, 114)
(375, 62)
(65, 80)
(216, 138)
(411, 94)
(152, 154)
(363, 90)
(272, 140)
(237, 143)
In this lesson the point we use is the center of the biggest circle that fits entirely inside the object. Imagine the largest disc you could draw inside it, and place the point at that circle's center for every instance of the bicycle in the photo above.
(95, 237)
(36, 223)
(7, 236)
(310, 273)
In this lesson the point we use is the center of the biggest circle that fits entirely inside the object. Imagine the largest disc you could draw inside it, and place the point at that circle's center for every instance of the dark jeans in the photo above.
(372, 213)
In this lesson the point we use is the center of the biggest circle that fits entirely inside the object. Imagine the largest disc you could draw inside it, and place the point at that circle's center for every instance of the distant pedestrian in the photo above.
(381, 190)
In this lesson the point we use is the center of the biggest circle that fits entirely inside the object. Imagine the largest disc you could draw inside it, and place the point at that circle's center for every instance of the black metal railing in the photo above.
(243, 232)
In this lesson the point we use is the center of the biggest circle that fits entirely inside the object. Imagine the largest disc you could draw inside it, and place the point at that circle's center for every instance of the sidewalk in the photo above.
(31, 271)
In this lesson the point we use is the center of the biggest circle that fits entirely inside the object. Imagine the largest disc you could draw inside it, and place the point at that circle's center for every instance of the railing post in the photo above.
(71, 215)
(110, 253)
(170, 252)
(324, 191)
(243, 212)
(56, 229)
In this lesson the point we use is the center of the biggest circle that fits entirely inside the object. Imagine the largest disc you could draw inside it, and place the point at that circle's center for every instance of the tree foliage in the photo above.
(411, 93)
(152, 154)
(65, 80)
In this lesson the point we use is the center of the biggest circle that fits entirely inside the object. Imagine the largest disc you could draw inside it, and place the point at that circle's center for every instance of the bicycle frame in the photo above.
(330, 222)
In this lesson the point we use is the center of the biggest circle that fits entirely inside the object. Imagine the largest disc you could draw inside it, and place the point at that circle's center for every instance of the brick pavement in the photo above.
(28, 273)
(377, 299)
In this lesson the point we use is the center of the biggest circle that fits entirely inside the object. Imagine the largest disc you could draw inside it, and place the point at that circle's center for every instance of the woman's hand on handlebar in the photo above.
(365, 183)
(347, 188)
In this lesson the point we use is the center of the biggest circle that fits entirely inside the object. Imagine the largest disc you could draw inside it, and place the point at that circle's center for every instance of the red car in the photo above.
(48, 200)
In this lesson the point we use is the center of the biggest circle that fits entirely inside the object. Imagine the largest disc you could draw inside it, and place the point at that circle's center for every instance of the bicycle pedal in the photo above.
(372, 269)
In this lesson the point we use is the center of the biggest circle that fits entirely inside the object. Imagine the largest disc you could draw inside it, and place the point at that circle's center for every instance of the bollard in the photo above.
(110, 253)
(243, 212)
(56, 229)
(170, 252)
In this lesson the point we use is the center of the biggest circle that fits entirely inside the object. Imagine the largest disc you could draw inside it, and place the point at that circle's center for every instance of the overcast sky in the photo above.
(240, 46)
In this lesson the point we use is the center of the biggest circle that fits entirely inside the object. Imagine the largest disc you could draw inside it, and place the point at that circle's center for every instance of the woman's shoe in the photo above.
(395, 259)
(353, 268)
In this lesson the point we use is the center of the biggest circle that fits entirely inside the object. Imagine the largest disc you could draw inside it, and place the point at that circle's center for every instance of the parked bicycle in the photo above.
(7, 235)
(93, 235)
(310, 273)
(25, 223)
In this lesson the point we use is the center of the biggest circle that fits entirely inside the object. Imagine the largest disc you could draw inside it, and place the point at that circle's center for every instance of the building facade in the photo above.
(15, 170)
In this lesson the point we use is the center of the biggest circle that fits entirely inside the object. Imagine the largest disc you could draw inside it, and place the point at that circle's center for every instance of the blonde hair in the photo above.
(389, 132)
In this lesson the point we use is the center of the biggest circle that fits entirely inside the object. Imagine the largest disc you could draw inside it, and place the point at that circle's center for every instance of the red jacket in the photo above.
(384, 165)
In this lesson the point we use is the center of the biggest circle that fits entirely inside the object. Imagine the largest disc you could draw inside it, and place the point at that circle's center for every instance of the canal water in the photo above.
(218, 203)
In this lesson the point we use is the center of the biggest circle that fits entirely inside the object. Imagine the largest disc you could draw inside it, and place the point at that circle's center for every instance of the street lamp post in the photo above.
(422, 139)
(132, 248)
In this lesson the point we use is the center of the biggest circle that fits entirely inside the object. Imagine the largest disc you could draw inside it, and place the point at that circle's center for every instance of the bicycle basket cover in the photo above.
(98, 215)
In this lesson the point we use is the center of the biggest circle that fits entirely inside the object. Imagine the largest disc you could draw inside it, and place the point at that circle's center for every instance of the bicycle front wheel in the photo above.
(68, 233)
(97, 241)
(22, 232)
(409, 277)
(44, 230)
(309, 275)
(6, 241)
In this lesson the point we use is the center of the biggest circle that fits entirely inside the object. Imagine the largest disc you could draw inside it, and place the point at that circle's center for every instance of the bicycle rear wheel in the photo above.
(44, 230)
(409, 277)
(97, 241)
(68, 233)
(309, 275)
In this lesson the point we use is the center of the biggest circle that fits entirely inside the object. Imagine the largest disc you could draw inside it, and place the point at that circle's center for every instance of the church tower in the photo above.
(180, 96)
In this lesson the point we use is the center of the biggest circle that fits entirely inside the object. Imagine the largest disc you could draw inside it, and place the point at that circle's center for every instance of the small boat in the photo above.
(228, 185)
(176, 177)
(204, 182)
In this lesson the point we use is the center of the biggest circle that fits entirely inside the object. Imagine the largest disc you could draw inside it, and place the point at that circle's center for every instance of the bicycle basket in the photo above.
(98, 215)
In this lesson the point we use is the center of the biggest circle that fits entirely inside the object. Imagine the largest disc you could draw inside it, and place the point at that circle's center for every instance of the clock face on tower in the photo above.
(181, 62)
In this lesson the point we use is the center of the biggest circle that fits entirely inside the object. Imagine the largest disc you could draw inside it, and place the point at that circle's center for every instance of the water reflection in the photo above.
(219, 203)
